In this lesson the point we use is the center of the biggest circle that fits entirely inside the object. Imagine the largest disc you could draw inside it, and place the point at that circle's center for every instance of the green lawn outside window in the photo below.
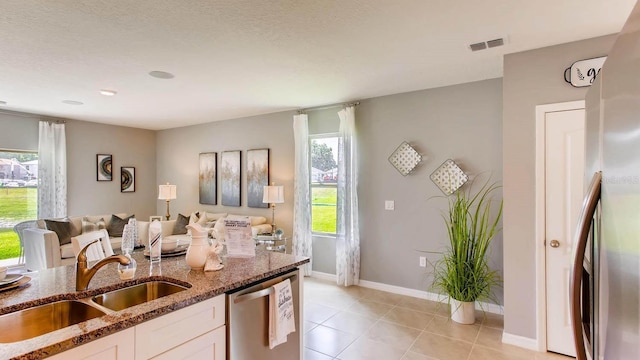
(323, 209)
(16, 205)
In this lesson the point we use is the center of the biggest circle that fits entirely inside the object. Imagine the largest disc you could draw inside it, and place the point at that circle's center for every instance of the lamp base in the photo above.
(168, 215)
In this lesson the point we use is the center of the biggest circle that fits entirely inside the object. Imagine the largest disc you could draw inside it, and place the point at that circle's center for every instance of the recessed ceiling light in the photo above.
(106, 92)
(161, 75)
(72, 102)
(3, 102)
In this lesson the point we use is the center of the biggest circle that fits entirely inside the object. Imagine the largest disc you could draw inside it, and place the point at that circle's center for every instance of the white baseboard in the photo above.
(521, 341)
(490, 308)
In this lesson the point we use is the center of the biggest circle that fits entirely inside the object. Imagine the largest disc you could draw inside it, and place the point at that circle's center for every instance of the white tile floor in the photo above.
(358, 323)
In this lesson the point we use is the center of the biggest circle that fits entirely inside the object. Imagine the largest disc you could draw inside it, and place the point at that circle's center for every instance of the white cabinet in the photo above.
(194, 332)
(167, 332)
(116, 346)
(211, 345)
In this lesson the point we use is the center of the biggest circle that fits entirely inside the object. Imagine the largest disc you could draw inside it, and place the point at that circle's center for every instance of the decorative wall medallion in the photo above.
(449, 177)
(405, 158)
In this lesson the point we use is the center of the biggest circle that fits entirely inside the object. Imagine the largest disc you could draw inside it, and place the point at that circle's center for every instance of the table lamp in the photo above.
(168, 193)
(274, 195)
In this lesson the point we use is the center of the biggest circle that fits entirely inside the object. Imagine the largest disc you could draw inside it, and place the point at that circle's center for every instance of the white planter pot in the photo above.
(463, 312)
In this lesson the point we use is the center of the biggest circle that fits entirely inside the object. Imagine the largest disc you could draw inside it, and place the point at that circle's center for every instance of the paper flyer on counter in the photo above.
(238, 238)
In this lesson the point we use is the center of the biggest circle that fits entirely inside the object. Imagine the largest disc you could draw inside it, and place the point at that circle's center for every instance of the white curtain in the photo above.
(348, 236)
(301, 206)
(52, 171)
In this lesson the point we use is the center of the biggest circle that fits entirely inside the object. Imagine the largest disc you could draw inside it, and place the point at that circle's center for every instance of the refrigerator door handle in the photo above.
(260, 293)
(577, 276)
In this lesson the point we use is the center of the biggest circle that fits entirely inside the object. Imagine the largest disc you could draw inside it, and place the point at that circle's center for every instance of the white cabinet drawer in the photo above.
(159, 335)
(211, 345)
(117, 346)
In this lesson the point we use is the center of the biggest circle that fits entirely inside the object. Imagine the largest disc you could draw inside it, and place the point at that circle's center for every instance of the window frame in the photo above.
(317, 185)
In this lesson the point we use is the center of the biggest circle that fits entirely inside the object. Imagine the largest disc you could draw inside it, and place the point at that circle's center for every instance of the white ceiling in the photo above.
(235, 58)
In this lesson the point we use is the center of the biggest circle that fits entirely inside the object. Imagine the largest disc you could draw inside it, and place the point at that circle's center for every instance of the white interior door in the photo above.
(564, 182)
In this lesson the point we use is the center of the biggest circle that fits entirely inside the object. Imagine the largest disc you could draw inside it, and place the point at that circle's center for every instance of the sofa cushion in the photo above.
(258, 220)
(62, 228)
(116, 225)
(66, 251)
(180, 227)
(206, 217)
(89, 225)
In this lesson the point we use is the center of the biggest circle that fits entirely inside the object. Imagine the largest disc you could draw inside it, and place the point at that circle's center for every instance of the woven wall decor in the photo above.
(405, 158)
(449, 177)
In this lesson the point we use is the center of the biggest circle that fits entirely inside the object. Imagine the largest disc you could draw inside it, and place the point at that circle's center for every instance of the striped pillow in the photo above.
(89, 226)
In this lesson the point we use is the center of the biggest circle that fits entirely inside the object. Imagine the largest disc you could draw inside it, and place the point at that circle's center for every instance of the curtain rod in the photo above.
(323, 107)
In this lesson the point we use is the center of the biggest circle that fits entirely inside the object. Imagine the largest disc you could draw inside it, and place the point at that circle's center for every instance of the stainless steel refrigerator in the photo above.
(607, 280)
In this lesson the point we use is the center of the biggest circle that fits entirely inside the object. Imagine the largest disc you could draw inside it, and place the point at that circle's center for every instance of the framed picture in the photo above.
(152, 218)
(257, 176)
(127, 179)
(230, 177)
(103, 167)
(207, 178)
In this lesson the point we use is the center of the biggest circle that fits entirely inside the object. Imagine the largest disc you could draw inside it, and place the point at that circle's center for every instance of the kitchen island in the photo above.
(58, 284)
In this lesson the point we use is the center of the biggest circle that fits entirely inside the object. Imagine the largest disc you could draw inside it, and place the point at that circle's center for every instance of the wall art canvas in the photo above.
(257, 176)
(207, 178)
(127, 179)
(103, 167)
(230, 177)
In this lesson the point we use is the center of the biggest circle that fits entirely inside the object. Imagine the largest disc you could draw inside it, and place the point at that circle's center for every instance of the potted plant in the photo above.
(463, 272)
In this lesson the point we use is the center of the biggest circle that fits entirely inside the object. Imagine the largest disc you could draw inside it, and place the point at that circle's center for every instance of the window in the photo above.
(18, 197)
(324, 179)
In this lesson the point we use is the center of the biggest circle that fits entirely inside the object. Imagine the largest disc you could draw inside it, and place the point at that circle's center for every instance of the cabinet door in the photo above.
(208, 346)
(161, 334)
(117, 346)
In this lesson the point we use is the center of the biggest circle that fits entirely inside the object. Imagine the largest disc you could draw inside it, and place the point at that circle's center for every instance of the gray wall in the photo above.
(85, 195)
(462, 123)
(177, 154)
(129, 147)
(18, 131)
(530, 78)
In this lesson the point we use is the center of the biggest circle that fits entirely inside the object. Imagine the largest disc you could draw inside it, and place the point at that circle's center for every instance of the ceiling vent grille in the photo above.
(478, 46)
(486, 45)
(495, 43)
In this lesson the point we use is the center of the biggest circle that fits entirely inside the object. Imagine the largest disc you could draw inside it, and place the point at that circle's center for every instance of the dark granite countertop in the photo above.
(59, 284)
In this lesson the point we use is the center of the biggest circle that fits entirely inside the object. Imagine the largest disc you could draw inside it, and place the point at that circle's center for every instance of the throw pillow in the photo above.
(194, 217)
(89, 226)
(180, 226)
(62, 228)
(206, 217)
(116, 226)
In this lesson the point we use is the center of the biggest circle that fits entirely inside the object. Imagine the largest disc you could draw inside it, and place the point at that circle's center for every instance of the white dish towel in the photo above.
(281, 316)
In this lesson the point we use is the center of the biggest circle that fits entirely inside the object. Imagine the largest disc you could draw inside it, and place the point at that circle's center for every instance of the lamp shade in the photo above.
(166, 192)
(273, 194)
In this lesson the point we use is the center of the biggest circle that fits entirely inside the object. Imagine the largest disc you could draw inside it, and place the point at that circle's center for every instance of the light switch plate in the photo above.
(389, 205)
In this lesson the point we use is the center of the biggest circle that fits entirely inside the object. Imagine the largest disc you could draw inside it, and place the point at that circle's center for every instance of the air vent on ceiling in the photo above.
(478, 46)
(488, 44)
(495, 43)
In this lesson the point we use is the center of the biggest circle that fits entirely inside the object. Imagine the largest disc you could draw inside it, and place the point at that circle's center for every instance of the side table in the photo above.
(272, 244)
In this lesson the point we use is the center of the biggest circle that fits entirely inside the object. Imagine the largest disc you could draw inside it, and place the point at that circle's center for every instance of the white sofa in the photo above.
(43, 250)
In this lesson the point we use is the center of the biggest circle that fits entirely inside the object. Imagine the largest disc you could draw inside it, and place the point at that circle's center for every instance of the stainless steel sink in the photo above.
(39, 320)
(137, 294)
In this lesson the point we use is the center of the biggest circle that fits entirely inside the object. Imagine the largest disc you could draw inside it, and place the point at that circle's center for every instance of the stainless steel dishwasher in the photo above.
(248, 322)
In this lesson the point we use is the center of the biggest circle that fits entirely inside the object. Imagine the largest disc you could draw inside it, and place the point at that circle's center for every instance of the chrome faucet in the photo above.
(84, 274)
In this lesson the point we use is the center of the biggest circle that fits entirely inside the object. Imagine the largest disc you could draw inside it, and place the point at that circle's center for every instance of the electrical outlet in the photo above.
(389, 205)
(423, 261)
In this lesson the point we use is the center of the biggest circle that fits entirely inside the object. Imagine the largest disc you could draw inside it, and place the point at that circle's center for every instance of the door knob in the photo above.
(554, 243)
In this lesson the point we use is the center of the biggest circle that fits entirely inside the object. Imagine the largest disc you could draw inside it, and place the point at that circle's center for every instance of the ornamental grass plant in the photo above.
(463, 272)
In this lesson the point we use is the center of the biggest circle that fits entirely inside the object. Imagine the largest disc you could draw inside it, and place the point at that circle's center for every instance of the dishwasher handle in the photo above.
(264, 292)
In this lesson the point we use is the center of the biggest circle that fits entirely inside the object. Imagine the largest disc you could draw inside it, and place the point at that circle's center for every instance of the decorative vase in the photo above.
(463, 312)
(198, 249)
